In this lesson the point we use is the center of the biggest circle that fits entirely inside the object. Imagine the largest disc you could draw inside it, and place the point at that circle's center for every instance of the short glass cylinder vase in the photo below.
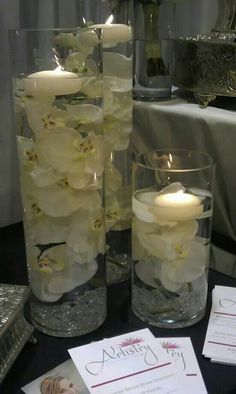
(58, 101)
(172, 205)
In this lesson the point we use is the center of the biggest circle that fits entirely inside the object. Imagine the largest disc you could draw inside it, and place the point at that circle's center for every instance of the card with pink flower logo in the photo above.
(131, 363)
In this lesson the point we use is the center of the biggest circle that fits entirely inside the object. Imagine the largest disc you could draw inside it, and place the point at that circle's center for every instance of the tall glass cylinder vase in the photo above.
(115, 17)
(58, 101)
(172, 206)
(118, 106)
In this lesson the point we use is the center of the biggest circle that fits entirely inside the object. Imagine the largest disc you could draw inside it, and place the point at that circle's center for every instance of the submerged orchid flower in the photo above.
(42, 115)
(174, 274)
(54, 273)
(84, 114)
(92, 86)
(80, 63)
(170, 243)
(67, 152)
(180, 255)
(86, 235)
(118, 209)
(57, 200)
(118, 98)
(117, 133)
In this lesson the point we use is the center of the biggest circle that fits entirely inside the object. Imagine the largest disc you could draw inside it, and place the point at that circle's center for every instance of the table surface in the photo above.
(48, 352)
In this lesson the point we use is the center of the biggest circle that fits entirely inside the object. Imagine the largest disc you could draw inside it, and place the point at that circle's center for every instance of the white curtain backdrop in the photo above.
(10, 210)
(192, 17)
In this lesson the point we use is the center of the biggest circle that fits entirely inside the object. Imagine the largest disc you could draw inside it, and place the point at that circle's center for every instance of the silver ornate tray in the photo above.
(14, 330)
(206, 65)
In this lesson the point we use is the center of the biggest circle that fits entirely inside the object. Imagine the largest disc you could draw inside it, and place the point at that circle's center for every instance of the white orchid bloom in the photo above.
(170, 243)
(140, 227)
(84, 114)
(86, 236)
(61, 200)
(42, 176)
(41, 115)
(27, 153)
(43, 229)
(57, 200)
(185, 270)
(118, 98)
(118, 209)
(40, 227)
(180, 256)
(67, 152)
(51, 260)
(117, 133)
(92, 86)
(79, 63)
(54, 273)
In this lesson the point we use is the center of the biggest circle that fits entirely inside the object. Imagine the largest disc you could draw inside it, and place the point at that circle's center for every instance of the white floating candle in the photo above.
(52, 83)
(112, 34)
(177, 206)
(142, 206)
(115, 32)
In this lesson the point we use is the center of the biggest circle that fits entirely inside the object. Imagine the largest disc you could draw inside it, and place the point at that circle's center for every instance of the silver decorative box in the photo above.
(206, 64)
(14, 329)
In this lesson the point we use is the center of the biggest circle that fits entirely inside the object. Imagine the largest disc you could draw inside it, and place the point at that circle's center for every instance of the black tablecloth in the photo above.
(37, 359)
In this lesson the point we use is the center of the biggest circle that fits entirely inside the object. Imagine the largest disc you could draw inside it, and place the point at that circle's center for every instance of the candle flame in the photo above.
(58, 68)
(170, 161)
(109, 20)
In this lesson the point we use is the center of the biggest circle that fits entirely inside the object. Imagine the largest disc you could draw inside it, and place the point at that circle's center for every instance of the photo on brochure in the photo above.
(63, 379)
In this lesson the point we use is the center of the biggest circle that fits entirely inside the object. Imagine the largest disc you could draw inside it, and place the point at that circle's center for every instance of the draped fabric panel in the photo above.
(194, 17)
(10, 210)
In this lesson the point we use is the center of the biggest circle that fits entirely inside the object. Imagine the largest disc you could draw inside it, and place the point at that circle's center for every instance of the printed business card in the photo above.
(220, 341)
(130, 363)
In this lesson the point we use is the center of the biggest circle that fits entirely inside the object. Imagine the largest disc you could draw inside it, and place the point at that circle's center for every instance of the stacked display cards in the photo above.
(135, 362)
(139, 363)
(220, 341)
(130, 363)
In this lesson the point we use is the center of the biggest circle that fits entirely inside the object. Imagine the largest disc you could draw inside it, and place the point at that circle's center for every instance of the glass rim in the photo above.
(56, 29)
(210, 164)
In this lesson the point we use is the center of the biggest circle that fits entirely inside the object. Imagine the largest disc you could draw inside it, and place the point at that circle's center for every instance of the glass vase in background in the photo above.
(172, 205)
(58, 101)
(153, 49)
